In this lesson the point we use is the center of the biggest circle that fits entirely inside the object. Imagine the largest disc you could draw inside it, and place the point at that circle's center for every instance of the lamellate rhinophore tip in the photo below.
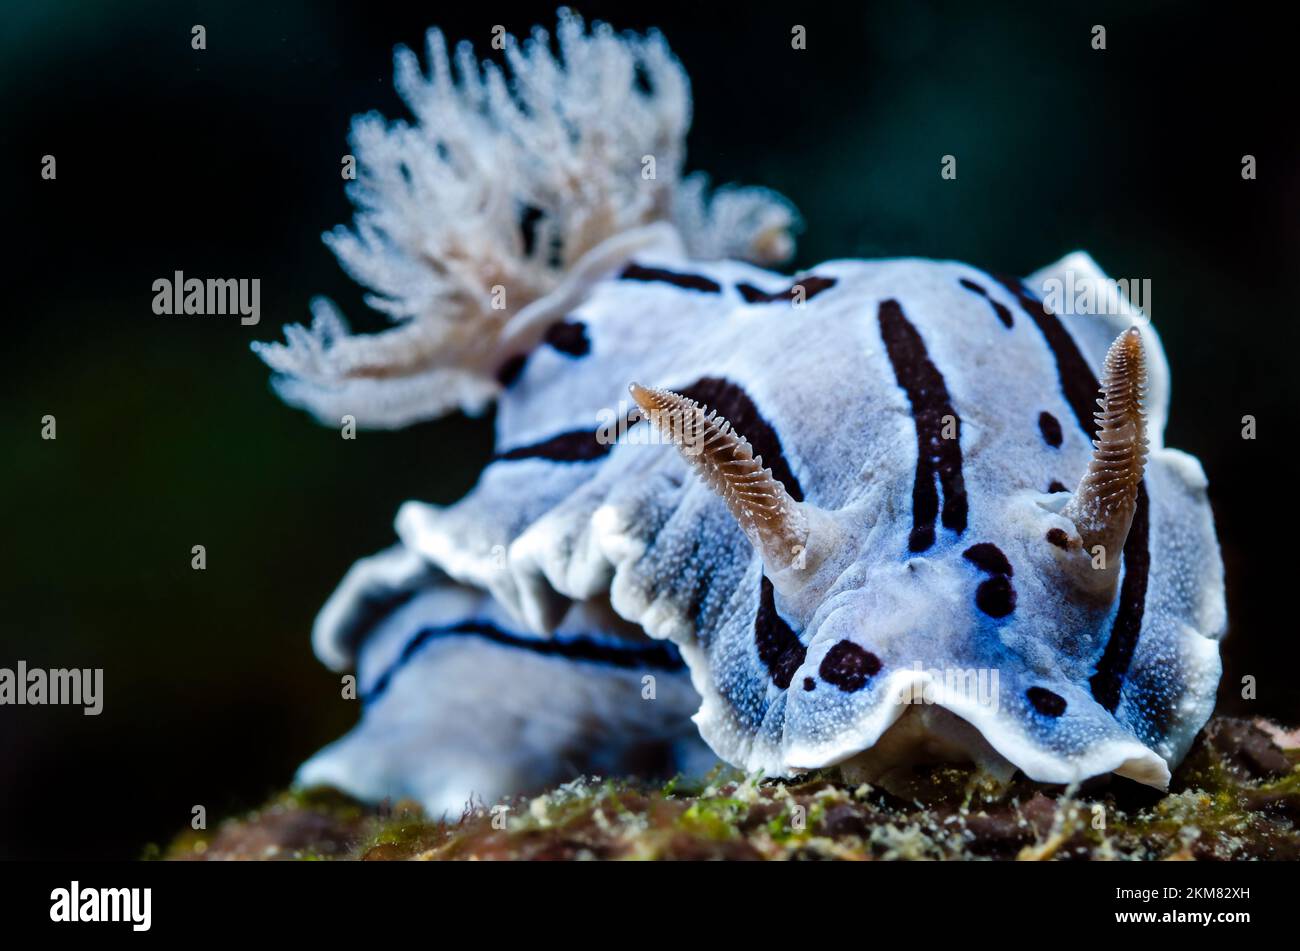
(1102, 506)
(725, 461)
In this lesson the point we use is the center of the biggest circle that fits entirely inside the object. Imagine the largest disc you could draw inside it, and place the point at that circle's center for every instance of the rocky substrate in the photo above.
(1235, 797)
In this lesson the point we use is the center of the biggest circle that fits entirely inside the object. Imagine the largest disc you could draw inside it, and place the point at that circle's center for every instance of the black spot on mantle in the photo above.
(1045, 701)
(849, 666)
(568, 336)
(988, 557)
(1050, 427)
(995, 596)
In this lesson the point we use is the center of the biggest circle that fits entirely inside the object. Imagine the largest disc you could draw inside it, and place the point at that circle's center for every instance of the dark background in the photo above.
(225, 163)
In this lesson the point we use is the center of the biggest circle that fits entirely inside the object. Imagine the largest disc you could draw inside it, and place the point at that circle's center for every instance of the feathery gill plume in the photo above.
(491, 215)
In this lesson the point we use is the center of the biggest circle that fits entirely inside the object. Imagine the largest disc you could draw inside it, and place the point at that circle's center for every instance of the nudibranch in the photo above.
(876, 512)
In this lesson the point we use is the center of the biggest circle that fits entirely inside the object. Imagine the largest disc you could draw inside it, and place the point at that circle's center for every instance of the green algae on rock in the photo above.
(1236, 797)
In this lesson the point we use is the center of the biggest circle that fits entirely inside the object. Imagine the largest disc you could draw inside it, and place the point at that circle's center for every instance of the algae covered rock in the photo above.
(1236, 797)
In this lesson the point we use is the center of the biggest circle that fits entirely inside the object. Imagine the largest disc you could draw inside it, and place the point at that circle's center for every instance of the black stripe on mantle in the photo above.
(937, 458)
(728, 398)
(658, 655)
(1081, 388)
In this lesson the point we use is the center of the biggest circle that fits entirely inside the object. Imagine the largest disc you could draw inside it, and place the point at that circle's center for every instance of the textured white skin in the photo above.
(636, 527)
(631, 546)
(466, 719)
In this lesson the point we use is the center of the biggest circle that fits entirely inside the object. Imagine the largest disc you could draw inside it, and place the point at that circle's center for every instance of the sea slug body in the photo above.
(858, 516)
